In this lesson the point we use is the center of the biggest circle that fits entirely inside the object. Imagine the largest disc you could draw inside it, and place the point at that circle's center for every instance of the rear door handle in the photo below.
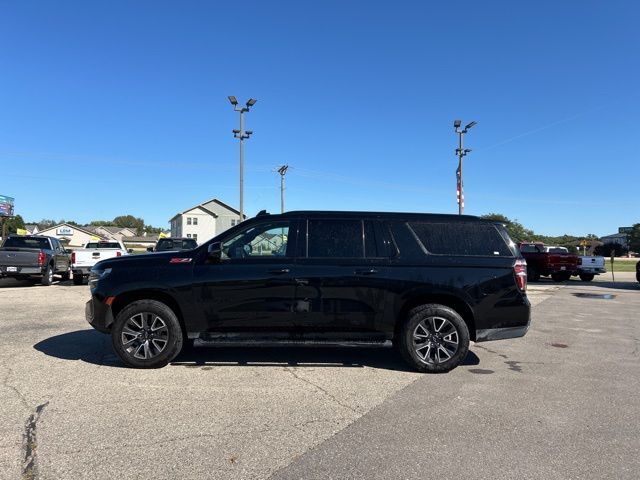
(367, 271)
(278, 271)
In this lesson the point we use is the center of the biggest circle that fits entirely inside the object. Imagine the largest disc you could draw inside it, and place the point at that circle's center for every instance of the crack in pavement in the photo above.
(30, 444)
(322, 390)
(5, 383)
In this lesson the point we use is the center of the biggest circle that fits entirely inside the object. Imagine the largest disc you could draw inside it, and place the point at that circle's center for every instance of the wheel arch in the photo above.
(456, 303)
(124, 299)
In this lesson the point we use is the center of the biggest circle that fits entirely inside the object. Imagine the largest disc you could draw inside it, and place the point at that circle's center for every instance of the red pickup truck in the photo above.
(548, 261)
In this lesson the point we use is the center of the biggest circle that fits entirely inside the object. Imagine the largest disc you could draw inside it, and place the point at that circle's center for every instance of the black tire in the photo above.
(557, 277)
(65, 275)
(424, 316)
(532, 274)
(78, 279)
(586, 277)
(47, 276)
(146, 313)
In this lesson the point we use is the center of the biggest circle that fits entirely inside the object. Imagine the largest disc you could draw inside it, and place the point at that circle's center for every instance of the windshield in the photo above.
(25, 242)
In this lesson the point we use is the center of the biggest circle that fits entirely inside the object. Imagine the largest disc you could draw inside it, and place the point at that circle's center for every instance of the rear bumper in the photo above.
(81, 270)
(98, 315)
(594, 270)
(489, 334)
(21, 271)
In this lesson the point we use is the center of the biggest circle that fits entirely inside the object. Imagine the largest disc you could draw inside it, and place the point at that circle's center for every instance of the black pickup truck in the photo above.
(34, 257)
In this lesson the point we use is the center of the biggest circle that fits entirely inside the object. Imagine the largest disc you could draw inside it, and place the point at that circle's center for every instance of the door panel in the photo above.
(338, 290)
(252, 287)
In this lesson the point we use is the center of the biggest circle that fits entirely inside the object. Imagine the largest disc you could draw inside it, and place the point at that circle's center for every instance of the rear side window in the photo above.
(335, 239)
(476, 239)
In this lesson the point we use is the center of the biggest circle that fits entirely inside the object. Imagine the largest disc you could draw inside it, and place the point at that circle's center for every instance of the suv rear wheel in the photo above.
(434, 338)
(146, 334)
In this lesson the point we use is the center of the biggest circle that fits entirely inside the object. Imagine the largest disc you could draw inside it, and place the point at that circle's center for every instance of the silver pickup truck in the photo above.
(34, 257)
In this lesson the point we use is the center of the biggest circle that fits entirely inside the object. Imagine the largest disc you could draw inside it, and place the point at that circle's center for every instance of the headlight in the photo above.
(97, 274)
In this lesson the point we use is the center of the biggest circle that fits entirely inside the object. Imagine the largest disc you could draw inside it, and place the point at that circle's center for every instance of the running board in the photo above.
(239, 342)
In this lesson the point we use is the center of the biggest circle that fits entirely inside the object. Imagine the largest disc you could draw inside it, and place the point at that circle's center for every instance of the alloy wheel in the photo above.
(435, 340)
(145, 335)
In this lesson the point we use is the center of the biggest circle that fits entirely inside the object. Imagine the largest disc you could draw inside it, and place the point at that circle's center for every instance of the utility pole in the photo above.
(241, 134)
(461, 152)
(282, 171)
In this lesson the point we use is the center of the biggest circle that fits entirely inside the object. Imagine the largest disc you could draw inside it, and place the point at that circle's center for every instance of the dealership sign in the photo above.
(64, 231)
(6, 206)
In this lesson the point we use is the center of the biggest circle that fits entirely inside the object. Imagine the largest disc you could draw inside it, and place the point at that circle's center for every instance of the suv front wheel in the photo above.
(434, 338)
(146, 334)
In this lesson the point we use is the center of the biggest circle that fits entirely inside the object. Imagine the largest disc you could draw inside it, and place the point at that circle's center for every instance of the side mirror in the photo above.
(149, 249)
(214, 252)
(130, 250)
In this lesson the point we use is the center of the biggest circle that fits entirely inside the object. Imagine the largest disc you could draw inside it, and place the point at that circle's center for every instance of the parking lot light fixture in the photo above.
(242, 135)
(461, 152)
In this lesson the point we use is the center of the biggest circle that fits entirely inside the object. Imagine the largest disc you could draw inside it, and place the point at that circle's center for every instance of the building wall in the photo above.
(226, 218)
(77, 238)
(200, 223)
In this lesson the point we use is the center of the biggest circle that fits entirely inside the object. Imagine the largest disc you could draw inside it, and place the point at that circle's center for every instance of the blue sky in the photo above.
(110, 108)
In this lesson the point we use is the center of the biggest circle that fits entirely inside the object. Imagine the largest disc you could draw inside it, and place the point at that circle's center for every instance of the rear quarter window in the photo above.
(466, 239)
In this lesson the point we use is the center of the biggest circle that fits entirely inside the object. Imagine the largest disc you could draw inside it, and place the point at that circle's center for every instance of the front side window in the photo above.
(335, 239)
(258, 241)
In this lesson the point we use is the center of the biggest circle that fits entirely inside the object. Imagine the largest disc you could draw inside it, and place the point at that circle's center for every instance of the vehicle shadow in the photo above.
(94, 347)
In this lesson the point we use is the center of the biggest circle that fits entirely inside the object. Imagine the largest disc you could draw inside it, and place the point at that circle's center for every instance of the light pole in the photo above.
(461, 152)
(242, 135)
(282, 171)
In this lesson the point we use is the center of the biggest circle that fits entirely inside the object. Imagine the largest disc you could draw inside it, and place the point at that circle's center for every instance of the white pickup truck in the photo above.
(84, 259)
(588, 266)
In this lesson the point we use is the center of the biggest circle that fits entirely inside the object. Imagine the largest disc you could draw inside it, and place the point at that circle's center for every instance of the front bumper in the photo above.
(99, 315)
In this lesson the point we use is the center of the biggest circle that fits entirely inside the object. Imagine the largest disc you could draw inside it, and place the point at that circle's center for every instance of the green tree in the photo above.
(46, 223)
(634, 238)
(129, 221)
(517, 231)
(14, 223)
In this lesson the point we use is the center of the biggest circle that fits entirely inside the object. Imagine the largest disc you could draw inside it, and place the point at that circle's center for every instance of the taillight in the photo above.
(520, 272)
(118, 254)
(41, 259)
(73, 257)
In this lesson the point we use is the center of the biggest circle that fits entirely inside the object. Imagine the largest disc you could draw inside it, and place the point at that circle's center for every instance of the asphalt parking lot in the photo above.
(562, 402)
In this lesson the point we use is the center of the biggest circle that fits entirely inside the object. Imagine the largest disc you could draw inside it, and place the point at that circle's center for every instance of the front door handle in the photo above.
(278, 271)
(367, 271)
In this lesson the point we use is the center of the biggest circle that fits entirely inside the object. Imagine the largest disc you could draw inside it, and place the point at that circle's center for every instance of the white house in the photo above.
(204, 221)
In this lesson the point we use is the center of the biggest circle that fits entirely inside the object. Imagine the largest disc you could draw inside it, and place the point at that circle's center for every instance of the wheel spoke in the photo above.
(435, 340)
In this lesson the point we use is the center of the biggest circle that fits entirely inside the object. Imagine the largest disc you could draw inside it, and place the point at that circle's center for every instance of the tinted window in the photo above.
(22, 242)
(335, 239)
(103, 245)
(529, 248)
(370, 245)
(265, 240)
(460, 239)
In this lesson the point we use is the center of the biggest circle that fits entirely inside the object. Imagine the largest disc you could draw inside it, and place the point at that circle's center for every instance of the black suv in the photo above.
(426, 283)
